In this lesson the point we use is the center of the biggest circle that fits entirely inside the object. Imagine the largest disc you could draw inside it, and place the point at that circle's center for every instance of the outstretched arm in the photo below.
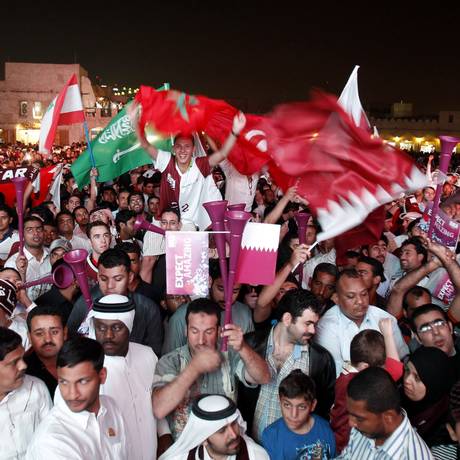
(277, 211)
(263, 309)
(409, 280)
(133, 112)
(239, 122)
(447, 257)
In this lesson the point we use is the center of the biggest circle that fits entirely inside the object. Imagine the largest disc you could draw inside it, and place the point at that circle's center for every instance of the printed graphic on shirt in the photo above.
(316, 451)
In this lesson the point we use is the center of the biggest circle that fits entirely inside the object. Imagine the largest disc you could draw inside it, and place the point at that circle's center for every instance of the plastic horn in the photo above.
(216, 211)
(77, 261)
(302, 219)
(61, 277)
(448, 144)
(20, 186)
(141, 224)
(237, 207)
(236, 222)
(232, 207)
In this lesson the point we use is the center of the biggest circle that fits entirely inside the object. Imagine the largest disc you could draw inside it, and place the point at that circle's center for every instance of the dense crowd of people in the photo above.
(350, 357)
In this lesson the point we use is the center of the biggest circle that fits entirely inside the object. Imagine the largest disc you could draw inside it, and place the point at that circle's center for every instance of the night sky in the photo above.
(254, 55)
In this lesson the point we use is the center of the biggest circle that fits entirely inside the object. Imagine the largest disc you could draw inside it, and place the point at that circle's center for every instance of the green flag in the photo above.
(116, 150)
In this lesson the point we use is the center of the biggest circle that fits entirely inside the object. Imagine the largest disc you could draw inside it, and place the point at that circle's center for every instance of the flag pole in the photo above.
(88, 141)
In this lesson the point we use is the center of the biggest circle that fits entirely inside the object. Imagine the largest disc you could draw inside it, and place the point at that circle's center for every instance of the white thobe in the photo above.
(81, 435)
(129, 380)
(21, 411)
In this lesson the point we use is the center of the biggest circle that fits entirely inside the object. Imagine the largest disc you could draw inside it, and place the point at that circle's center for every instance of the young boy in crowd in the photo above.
(368, 348)
(298, 433)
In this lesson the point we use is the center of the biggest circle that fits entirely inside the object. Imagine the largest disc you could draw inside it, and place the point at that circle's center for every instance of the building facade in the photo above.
(27, 91)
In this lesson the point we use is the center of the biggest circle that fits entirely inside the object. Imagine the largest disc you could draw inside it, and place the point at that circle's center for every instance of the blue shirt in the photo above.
(283, 444)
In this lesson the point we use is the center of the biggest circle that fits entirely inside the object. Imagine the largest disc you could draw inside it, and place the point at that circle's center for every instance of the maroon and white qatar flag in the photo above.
(65, 109)
(341, 170)
(257, 258)
(350, 102)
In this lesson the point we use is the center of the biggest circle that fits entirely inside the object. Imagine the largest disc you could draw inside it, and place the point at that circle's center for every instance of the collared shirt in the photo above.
(335, 331)
(19, 325)
(78, 242)
(10, 237)
(81, 435)
(129, 381)
(35, 269)
(36, 368)
(403, 444)
(221, 381)
(21, 411)
(175, 331)
(268, 407)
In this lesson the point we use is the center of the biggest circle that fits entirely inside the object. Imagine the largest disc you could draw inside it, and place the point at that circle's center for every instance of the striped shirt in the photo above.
(403, 444)
(268, 407)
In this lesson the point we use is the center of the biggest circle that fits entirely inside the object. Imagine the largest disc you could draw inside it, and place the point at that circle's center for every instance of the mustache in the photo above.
(48, 344)
(108, 342)
(21, 375)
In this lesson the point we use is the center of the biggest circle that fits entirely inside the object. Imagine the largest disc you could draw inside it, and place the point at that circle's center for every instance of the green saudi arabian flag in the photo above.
(116, 150)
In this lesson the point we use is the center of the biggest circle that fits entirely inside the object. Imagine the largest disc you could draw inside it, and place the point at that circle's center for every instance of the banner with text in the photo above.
(187, 263)
(446, 230)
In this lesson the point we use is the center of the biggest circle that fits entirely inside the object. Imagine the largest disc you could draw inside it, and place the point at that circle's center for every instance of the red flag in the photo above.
(366, 233)
(339, 168)
(42, 184)
(172, 112)
(65, 109)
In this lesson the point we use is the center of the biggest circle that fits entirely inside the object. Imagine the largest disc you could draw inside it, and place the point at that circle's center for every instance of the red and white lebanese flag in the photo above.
(66, 109)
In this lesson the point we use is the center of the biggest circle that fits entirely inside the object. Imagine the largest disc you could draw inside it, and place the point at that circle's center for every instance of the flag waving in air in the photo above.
(338, 167)
(66, 109)
(116, 150)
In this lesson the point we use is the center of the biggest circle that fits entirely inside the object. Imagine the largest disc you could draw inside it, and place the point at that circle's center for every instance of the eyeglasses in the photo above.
(115, 328)
(429, 327)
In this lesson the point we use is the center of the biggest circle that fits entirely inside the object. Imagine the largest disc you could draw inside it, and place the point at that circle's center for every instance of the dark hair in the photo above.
(151, 197)
(42, 310)
(9, 341)
(214, 269)
(381, 238)
(77, 209)
(136, 194)
(7, 209)
(173, 210)
(296, 301)
(411, 226)
(64, 212)
(30, 218)
(325, 267)
(417, 292)
(348, 273)
(203, 305)
(377, 266)
(292, 279)
(123, 216)
(43, 213)
(298, 385)
(129, 247)
(418, 245)
(4, 269)
(115, 257)
(368, 347)
(80, 349)
(96, 223)
(424, 309)
(185, 136)
(375, 386)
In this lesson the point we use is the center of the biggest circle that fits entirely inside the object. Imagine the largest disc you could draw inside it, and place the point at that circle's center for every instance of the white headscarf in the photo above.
(199, 429)
(108, 301)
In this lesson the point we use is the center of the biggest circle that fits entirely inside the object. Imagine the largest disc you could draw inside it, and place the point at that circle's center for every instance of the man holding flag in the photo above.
(186, 182)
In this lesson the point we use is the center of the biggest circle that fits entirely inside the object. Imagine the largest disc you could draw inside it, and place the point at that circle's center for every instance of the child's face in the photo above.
(296, 412)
